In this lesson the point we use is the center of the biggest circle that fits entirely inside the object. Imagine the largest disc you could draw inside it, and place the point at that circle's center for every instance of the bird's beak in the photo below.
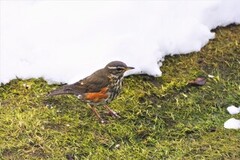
(129, 68)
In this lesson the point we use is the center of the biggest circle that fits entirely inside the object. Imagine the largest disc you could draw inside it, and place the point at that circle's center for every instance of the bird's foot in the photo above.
(101, 120)
(97, 115)
(111, 112)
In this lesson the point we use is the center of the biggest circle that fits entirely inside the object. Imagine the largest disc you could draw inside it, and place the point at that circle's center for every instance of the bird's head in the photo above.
(117, 68)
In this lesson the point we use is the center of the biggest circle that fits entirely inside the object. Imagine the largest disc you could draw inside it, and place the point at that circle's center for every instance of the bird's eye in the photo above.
(119, 69)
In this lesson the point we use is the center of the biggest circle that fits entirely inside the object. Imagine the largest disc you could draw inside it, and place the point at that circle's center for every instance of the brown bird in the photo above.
(100, 88)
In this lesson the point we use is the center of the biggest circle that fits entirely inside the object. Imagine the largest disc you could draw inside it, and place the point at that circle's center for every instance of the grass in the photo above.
(161, 118)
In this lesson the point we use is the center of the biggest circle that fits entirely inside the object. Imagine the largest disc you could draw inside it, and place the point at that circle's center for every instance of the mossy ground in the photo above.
(161, 118)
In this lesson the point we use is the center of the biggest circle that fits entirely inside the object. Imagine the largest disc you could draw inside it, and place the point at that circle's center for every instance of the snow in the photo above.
(233, 110)
(232, 123)
(64, 41)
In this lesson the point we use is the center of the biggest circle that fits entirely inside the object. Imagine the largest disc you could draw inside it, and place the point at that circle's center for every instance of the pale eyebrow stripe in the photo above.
(112, 67)
(115, 67)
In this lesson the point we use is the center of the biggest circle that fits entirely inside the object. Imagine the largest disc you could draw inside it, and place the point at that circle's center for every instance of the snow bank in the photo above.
(64, 41)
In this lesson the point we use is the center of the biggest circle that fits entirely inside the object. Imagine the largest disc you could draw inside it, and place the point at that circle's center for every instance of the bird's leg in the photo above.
(97, 114)
(111, 112)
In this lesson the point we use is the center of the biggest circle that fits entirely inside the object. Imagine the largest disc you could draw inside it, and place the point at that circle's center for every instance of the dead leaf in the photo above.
(200, 81)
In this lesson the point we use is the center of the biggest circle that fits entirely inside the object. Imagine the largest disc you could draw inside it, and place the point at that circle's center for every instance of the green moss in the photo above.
(161, 118)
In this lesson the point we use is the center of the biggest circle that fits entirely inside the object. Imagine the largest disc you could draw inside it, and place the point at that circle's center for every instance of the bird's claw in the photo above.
(113, 114)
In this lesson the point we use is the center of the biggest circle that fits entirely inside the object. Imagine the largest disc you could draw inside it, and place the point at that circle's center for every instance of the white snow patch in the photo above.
(233, 110)
(232, 123)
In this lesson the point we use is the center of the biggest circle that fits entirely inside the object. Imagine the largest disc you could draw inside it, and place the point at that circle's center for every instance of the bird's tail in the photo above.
(67, 89)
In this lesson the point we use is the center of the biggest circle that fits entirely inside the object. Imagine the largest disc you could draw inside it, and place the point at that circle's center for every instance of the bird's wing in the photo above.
(93, 83)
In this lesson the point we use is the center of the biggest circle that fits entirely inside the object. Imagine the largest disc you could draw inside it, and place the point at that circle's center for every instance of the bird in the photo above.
(99, 88)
